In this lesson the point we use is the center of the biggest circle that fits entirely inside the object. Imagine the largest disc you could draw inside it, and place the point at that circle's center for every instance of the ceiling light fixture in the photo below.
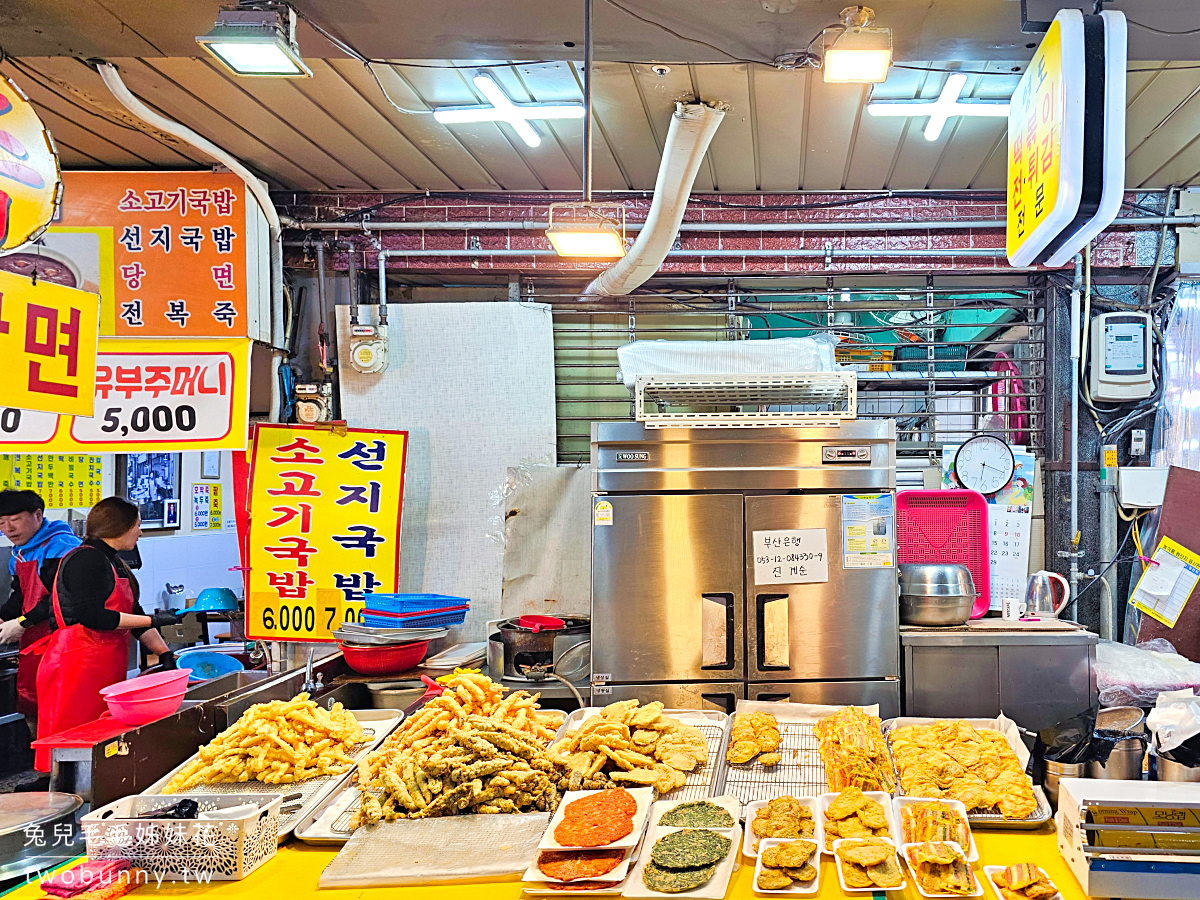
(518, 115)
(586, 229)
(946, 106)
(257, 40)
(860, 54)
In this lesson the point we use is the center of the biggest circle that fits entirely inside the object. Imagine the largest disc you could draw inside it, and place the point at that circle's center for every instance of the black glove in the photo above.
(166, 659)
(163, 618)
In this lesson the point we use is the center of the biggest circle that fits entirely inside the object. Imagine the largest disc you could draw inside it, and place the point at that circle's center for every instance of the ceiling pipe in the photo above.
(112, 79)
(782, 227)
(692, 128)
(828, 252)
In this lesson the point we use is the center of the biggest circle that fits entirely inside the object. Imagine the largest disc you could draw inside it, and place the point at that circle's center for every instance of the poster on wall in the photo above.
(150, 395)
(325, 510)
(171, 254)
(62, 480)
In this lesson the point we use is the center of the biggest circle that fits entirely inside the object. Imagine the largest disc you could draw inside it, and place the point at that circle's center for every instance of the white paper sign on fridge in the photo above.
(791, 556)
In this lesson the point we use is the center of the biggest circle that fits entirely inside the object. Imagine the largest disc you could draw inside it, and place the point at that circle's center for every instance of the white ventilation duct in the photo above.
(692, 129)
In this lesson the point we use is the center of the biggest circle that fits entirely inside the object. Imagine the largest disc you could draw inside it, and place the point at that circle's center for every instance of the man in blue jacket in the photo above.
(25, 616)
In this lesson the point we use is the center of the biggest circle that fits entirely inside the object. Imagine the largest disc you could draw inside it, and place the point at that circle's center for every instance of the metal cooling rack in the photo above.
(799, 773)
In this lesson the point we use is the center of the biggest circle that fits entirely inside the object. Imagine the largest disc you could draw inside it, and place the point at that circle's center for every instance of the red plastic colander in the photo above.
(946, 527)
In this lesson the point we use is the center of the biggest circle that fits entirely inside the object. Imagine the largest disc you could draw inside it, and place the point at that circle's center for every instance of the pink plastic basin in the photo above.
(156, 686)
(384, 660)
(143, 712)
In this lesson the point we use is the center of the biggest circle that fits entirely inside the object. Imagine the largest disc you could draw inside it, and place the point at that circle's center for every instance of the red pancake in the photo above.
(572, 865)
(592, 833)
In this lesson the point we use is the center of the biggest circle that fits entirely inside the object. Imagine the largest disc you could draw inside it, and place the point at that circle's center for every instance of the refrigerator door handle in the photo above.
(774, 642)
(717, 631)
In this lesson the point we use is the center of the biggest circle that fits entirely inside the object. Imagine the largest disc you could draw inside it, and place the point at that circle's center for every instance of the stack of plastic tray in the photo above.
(414, 610)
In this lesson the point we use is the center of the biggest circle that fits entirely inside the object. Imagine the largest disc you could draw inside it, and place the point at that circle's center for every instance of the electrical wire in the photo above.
(1143, 25)
(684, 37)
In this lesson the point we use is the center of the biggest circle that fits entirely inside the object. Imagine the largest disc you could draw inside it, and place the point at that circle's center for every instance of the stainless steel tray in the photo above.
(800, 772)
(379, 723)
(982, 818)
(702, 782)
(328, 820)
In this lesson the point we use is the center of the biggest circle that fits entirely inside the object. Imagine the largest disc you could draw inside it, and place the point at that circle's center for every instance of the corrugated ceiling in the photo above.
(784, 131)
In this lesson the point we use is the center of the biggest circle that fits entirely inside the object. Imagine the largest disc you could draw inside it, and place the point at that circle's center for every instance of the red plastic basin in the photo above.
(143, 712)
(385, 660)
(156, 686)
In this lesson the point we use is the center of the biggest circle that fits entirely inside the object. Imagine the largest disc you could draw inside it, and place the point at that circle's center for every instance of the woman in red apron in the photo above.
(35, 540)
(94, 607)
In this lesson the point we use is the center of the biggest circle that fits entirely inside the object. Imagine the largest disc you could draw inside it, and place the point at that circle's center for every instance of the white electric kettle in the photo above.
(1040, 602)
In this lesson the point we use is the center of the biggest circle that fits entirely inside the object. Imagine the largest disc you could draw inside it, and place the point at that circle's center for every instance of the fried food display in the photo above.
(869, 861)
(787, 862)
(697, 814)
(576, 865)
(597, 819)
(973, 765)
(470, 750)
(1024, 881)
(280, 742)
(853, 814)
(631, 744)
(685, 860)
(783, 817)
(752, 734)
(940, 868)
(933, 821)
(854, 752)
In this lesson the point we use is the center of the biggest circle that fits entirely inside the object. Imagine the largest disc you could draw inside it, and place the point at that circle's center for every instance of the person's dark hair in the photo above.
(111, 518)
(13, 502)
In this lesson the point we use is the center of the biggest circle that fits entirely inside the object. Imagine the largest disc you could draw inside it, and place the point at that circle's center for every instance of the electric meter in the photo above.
(1122, 348)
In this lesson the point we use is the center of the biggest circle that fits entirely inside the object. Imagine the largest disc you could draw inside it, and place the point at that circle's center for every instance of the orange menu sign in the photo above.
(166, 251)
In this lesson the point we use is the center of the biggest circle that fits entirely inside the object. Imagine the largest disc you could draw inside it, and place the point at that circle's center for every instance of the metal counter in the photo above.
(1035, 676)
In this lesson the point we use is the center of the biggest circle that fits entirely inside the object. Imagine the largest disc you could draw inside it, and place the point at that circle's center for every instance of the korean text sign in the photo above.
(150, 395)
(325, 513)
(171, 247)
(48, 337)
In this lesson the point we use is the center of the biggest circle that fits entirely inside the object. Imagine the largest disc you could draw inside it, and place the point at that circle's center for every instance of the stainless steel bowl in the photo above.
(935, 594)
(396, 694)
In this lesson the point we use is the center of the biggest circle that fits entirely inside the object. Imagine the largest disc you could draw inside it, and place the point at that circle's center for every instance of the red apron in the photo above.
(32, 592)
(78, 662)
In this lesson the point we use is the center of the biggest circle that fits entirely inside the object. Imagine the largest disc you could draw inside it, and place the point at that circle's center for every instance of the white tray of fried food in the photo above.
(783, 817)
(979, 762)
(290, 747)
(470, 750)
(675, 751)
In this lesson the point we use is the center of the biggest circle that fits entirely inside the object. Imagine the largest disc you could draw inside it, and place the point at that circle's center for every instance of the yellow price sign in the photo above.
(49, 335)
(325, 510)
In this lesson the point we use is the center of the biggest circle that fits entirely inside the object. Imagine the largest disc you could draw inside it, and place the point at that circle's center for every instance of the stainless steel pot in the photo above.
(1056, 771)
(935, 594)
(1173, 771)
(1125, 761)
(396, 694)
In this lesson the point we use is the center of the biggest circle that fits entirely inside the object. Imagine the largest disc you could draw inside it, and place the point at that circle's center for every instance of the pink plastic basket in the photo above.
(943, 527)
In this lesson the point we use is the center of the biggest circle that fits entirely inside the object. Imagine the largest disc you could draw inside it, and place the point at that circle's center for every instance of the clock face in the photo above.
(984, 464)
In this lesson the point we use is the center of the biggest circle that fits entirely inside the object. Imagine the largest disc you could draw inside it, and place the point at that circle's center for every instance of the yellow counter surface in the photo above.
(296, 867)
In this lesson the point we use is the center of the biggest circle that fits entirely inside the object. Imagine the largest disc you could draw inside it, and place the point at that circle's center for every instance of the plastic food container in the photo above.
(149, 687)
(384, 660)
(143, 712)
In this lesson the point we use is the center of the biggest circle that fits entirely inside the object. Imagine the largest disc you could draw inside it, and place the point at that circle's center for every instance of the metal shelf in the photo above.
(825, 398)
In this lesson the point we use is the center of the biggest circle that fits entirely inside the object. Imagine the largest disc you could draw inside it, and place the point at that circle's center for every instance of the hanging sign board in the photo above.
(30, 184)
(1045, 141)
(150, 396)
(325, 512)
(1106, 43)
(48, 336)
(172, 254)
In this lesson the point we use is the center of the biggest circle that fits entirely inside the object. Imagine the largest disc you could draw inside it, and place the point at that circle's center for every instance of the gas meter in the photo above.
(368, 348)
(314, 402)
(1122, 348)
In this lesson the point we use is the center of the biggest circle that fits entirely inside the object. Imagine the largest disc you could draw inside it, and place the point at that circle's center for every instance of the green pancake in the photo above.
(689, 849)
(698, 814)
(676, 881)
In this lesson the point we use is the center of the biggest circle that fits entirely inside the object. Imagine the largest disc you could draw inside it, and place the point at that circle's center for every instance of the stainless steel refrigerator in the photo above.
(755, 563)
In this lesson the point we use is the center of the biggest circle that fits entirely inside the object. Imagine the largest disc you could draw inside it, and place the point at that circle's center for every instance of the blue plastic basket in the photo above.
(454, 618)
(410, 603)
